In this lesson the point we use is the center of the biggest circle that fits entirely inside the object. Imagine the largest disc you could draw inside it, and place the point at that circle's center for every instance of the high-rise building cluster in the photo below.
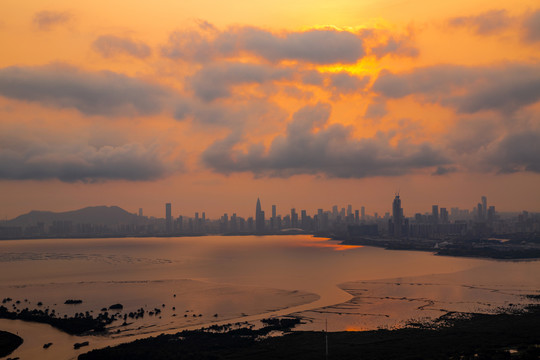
(345, 221)
(440, 223)
(292, 221)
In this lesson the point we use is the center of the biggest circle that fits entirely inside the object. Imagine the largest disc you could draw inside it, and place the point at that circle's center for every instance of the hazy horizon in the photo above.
(267, 209)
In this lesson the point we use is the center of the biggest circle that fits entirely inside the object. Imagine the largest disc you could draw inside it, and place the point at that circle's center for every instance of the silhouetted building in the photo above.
(259, 218)
(491, 214)
(479, 212)
(397, 217)
(435, 214)
(294, 218)
(273, 220)
(168, 218)
(444, 216)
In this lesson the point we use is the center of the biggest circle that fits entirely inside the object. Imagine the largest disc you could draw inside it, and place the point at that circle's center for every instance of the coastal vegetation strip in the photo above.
(505, 336)
(77, 325)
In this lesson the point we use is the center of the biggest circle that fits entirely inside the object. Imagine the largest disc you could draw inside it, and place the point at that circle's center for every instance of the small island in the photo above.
(8, 343)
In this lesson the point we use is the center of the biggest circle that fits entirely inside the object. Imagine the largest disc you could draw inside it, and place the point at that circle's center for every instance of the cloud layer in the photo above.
(505, 89)
(98, 93)
(111, 45)
(516, 152)
(68, 161)
(319, 46)
(331, 151)
(46, 20)
(215, 80)
(487, 23)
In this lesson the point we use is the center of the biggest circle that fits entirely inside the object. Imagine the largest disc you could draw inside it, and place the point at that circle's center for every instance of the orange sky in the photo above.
(307, 104)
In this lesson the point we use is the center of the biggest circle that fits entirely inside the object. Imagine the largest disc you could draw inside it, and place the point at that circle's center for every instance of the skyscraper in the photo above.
(168, 218)
(273, 220)
(397, 216)
(435, 214)
(444, 215)
(259, 218)
(484, 208)
(294, 218)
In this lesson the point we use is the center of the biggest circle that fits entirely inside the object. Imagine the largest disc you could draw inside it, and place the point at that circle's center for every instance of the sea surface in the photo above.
(200, 281)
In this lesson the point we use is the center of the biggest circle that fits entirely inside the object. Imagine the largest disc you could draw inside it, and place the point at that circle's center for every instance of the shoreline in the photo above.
(465, 248)
(492, 252)
(459, 335)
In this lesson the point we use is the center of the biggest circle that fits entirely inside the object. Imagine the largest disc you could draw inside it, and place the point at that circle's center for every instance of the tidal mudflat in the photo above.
(201, 281)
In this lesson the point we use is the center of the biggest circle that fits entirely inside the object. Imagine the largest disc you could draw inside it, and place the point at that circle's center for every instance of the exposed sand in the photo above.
(392, 303)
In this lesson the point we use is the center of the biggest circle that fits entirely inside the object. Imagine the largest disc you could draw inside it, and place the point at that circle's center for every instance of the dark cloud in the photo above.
(215, 80)
(92, 93)
(46, 20)
(22, 159)
(444, 170)
(111, 45)
(320, 46)
(472, 135)
(325, 46)
(312, 77)
(494, 21)
(396, 46)
(331, 151)
(254, 114)
(345, 83)
(516, 152)
(504, 88)
(532, 27)
(487, 23)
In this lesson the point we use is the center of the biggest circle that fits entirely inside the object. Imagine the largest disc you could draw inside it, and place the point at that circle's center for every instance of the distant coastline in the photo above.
(475, 249)
(481, 248)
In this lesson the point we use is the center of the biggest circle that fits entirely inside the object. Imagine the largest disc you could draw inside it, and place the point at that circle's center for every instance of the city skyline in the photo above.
(483, 220)
(194, 177)
(309, 105)
(350, 209)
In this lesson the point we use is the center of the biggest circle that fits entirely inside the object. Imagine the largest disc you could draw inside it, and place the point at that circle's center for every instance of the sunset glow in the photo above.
(306, 104)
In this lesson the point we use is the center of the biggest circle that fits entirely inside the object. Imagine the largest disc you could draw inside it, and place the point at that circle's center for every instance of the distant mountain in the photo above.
(103, 215)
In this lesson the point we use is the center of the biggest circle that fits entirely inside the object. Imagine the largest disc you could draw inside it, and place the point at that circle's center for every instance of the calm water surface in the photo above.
(248, 277)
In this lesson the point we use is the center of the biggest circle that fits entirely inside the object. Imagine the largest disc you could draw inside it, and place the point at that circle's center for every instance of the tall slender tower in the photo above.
(259, 218)
(397, 215)
(168, 218)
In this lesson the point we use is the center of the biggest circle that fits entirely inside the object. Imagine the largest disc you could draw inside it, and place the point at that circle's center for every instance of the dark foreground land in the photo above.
(477, 336)
(8, 343)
